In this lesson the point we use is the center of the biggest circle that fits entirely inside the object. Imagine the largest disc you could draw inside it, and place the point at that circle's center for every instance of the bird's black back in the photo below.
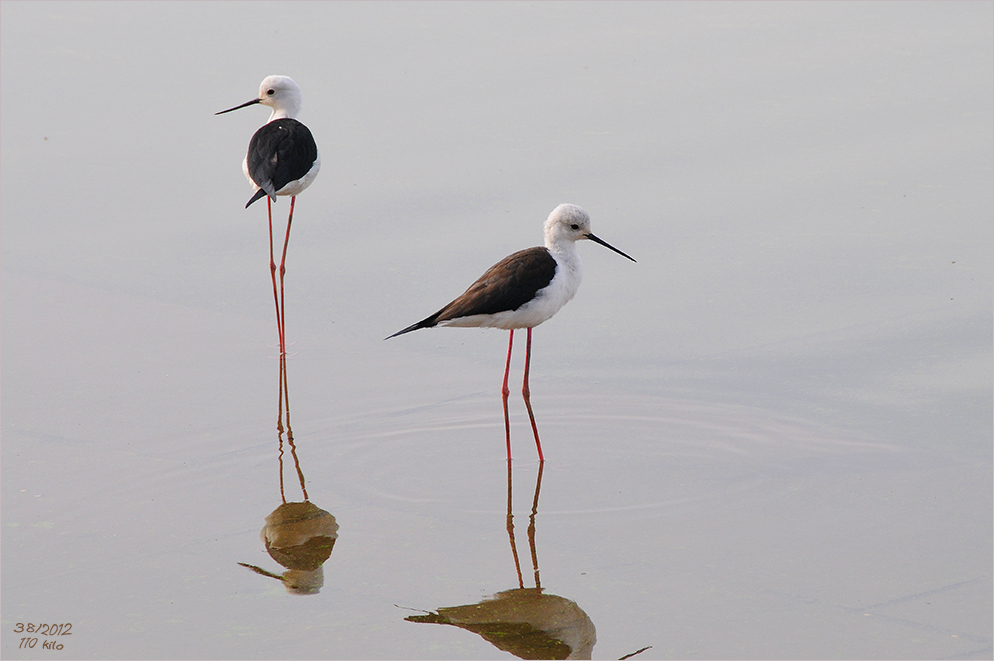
(280, 152)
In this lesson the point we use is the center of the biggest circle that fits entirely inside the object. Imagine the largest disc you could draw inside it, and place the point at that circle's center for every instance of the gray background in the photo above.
(769, 438)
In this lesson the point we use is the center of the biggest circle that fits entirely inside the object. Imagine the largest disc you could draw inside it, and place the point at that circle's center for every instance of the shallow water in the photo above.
(769, 438)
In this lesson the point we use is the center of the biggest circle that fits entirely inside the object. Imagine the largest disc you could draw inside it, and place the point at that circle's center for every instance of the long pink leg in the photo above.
(272, 270)
(286, 242)
(505, 392)
(526, 393)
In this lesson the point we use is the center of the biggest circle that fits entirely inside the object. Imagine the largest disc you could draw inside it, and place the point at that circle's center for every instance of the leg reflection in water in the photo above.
(300, 536)
(524, 621)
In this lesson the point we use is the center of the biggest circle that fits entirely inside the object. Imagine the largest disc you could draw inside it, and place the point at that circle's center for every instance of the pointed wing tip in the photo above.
(401, 332)
(424, 323)
(259, 194)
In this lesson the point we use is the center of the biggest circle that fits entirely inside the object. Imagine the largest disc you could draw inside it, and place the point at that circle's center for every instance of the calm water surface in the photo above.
(769, 438)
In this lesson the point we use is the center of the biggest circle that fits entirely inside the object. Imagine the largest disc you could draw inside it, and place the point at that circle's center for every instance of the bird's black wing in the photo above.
(507, 285)
(280, 152)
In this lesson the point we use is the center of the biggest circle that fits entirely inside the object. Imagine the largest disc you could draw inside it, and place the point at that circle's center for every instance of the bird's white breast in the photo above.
(562, 289)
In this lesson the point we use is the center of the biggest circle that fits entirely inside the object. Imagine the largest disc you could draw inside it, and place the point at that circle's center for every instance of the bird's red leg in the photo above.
(505, 392)
(526, 393)
(286, 241)
(272, 270)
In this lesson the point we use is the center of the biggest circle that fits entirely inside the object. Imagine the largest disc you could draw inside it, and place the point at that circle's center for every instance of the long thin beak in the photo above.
(608, 245)
(247, 103)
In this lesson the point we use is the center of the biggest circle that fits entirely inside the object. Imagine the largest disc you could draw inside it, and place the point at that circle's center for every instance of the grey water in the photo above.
(769, 438)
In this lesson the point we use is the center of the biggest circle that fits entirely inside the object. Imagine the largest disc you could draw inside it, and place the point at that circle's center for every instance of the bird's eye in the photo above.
(271, 92)
(575, 226)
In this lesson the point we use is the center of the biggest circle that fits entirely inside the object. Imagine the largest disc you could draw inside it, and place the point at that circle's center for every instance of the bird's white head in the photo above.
(282, 95)
(279, 93)
(568, 224)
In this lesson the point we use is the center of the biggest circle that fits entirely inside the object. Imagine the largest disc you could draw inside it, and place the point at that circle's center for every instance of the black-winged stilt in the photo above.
(282, 159)
(521, 291)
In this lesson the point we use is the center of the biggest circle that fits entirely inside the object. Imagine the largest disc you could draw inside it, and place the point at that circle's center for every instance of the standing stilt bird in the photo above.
(521, 291)
(282, 160)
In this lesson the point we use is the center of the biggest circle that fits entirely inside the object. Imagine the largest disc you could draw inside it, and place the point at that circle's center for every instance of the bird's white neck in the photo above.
(568, 259)
(287, 107)
(563, 250)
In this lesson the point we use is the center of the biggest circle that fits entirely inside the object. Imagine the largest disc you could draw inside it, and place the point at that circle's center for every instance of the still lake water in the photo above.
(769, 438)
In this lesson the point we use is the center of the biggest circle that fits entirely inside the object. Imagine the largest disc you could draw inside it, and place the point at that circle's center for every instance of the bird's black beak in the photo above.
(247, 103)
(607, 245)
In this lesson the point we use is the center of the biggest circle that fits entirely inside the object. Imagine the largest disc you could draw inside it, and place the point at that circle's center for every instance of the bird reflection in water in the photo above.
(298, 535)
(524, 621)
